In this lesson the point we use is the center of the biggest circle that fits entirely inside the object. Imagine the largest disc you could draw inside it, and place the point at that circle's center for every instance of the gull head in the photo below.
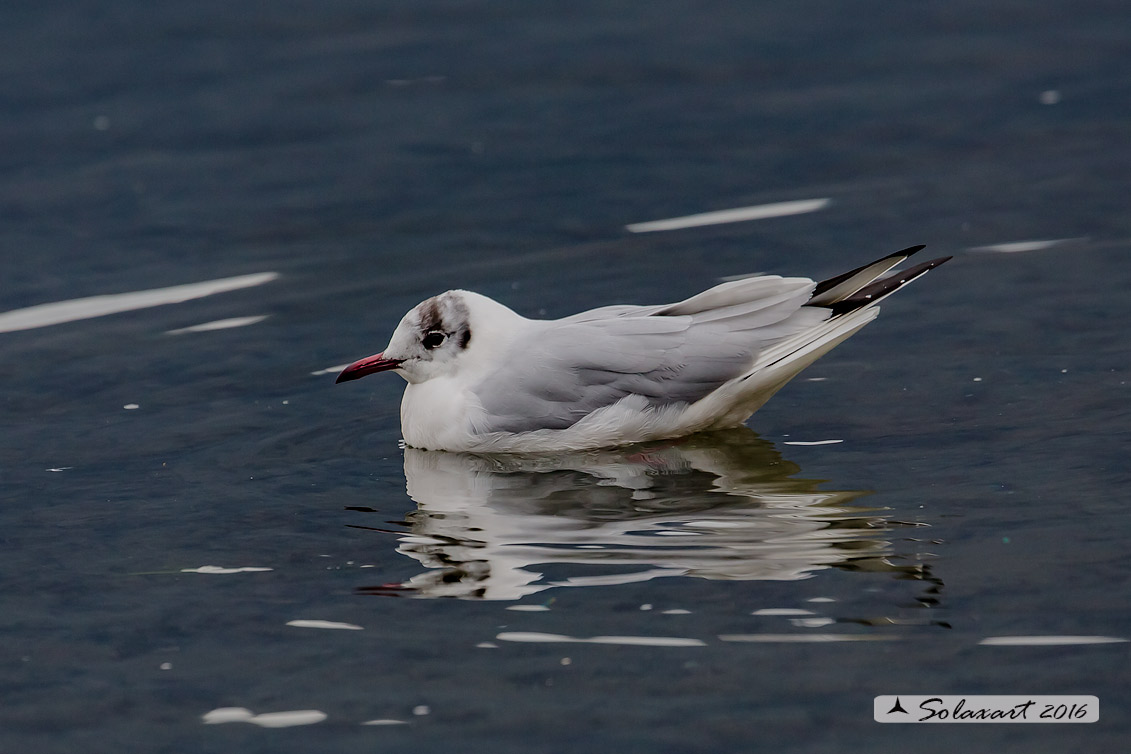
(435, 339)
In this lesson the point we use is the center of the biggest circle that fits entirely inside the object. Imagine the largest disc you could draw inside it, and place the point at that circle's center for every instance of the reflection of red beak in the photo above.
(368, 365)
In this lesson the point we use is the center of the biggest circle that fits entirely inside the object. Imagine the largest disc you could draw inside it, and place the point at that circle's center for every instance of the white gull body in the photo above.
(482, 378)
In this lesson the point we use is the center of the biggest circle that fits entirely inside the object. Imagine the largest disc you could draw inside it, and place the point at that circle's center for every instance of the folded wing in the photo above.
(767, 328)
(672, 354)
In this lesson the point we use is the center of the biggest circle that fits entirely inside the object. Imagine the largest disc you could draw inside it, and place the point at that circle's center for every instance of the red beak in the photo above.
(368, 365)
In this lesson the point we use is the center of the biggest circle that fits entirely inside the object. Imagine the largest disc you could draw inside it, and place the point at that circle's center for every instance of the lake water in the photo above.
(210, 547)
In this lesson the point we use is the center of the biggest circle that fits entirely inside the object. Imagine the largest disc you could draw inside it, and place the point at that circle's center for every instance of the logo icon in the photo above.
(897, 707)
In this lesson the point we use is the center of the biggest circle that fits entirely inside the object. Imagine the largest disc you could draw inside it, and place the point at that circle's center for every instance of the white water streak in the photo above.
(1048, 641)
(637, 641)
(44, 315)
(739, 214)
(219, 324)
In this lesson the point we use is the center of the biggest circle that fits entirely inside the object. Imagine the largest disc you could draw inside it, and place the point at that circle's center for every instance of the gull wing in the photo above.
(758, 332)
(667, 355)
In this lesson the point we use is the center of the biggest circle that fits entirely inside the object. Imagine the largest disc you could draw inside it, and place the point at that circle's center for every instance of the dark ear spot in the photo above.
(465, 338)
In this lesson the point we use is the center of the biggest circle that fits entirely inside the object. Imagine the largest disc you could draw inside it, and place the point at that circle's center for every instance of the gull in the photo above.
(484, 379)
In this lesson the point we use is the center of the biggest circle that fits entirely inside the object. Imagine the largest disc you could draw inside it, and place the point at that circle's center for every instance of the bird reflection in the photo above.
(723, 505)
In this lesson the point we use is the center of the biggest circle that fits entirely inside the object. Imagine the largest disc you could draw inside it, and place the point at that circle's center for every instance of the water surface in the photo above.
(210, 547)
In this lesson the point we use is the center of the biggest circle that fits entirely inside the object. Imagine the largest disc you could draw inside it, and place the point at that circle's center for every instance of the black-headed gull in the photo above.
(482, 378)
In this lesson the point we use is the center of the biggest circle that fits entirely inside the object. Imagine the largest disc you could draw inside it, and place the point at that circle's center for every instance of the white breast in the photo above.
(435, 415)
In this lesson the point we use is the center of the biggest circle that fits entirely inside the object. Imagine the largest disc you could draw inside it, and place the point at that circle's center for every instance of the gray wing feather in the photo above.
(737, 293)
(673, 354)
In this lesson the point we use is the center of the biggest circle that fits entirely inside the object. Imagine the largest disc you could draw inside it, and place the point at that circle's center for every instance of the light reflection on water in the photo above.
(73, 310)
(723, 506)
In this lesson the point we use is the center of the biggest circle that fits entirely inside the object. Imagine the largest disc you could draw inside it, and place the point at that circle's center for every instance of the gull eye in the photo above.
(433, 339)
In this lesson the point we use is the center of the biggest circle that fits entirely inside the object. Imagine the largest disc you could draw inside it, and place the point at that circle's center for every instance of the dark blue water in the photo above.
(373, 154)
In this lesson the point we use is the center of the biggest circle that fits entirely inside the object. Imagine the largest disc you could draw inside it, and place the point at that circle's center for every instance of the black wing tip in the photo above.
(826, 285)
(908, 251)
(902, 253)
(933, 263)
(870, 294)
